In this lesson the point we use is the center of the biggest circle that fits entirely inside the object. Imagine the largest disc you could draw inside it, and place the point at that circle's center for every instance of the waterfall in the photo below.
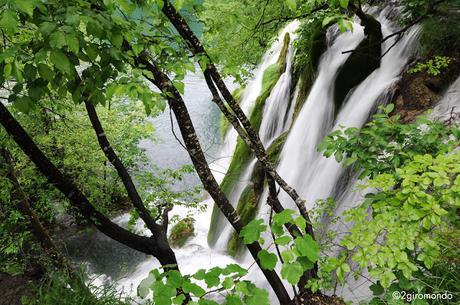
(251, 92)
(275, 119)
(449, 105)
(301, 165)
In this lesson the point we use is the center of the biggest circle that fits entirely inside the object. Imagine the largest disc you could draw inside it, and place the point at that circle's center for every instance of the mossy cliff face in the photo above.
(243, 155)
(361, 63)
(248, 204)
(311, 44)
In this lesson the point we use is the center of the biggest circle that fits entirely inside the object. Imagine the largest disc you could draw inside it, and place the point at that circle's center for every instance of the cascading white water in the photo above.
(275, 120)
(278, 111)
(450, 104)
(301, 165)
(251, 93)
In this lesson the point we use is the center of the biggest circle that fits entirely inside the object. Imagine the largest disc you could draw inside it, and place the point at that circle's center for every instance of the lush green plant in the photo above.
(433, 66)
(55, 290)
(402, 233)
(297, 254)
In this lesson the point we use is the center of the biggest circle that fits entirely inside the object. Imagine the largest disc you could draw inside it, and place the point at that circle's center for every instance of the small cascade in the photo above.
(449, 106)
(300, 164)
(274, 121)
(251, 92)
(278, 112)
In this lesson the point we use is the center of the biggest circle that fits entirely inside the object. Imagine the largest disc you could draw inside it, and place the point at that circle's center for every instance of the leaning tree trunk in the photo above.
(196, 154)
(78, 199)
(248, 134)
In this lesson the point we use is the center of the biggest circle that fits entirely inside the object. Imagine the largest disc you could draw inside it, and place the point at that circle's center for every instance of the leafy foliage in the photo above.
(402, 230)
(433, 66)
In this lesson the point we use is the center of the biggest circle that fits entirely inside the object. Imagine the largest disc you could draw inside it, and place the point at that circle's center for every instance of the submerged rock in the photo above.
(181, 232)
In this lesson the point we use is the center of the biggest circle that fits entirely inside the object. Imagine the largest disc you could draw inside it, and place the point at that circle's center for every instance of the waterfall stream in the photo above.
(301, 165)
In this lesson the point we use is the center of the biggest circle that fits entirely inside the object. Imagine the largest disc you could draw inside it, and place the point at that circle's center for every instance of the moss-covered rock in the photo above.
(311, 44)
(247, 209)
(181, 232)
(248, 203)
(361, 63)
(243, 155)
(224, 123)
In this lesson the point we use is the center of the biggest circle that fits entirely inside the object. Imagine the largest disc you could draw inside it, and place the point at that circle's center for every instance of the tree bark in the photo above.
(133, 194)
(158, 248)
(196, 154)
(39, 231)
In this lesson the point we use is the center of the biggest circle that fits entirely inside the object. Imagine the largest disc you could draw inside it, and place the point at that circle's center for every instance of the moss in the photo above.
(311, 44)
(248, 203)
(276, 147)
(440, 33)
(182, 231)
(247, 209)
(224, 123)
(243, 155)
(361, 63)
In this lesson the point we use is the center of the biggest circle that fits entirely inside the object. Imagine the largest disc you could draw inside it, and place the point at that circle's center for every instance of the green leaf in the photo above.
(45, 72)
(47, 27)
(9, 22)
(7, 70)
(284, 217)
(24, 104)
(292, 272)
(17, 73)
(291, 4)
(61, 62)
(267, 260)
(233, 300)
(287, 255)
(26, 6)
(283, 240)
(196, 290)
(73, 44)
(389, 108)
(343, 3)
(251, 232)
(307, 247)
(58, 40)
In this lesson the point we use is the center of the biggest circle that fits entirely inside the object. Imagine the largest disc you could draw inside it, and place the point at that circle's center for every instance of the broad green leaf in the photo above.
(61, 62)
(26, 6)
(9, 22)
(267, 260)
(196, 290)
(45, 72)
(307, 247)
(291, 4)
(284, 217)
(344, 3)
(251, 232)
(58, 40)
(283, 240)
(292, 272)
